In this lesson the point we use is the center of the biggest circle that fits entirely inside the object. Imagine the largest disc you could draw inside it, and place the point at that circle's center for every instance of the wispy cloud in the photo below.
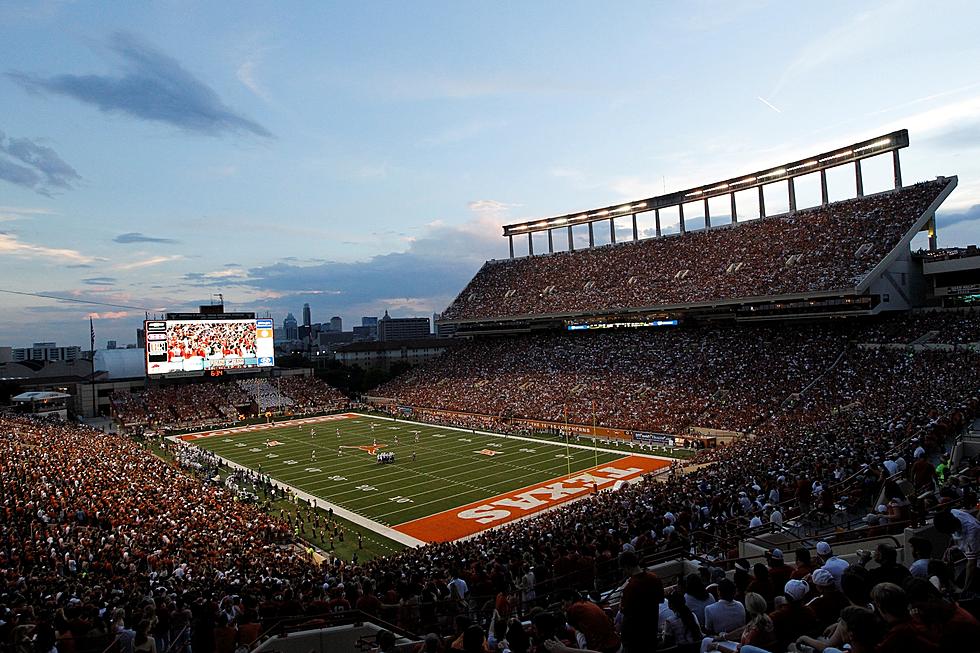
(109, 315)
(11, 213)
(768, 104)
(10, 244)
(137, 237)
(147, 262)
(152, 86)
(99, 281)
(27, 163)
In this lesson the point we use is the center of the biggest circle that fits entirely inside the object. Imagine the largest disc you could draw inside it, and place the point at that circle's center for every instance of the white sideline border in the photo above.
(387, 531)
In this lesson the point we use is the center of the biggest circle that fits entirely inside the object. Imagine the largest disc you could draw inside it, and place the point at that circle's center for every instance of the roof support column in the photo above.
(734, 209)
(636, 233)
(571, 241)
(858, 178)
(762, 202)
(511, 239)
(791, 189)
(931, 226)
(898, 169)
(551, 243)
(707, 214)
(530, 245)
(591, 236)
(612, 230)
(824, 195)
(680, 210)
(656, 215)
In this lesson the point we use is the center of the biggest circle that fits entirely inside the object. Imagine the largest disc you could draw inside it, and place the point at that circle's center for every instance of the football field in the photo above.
(443, 484)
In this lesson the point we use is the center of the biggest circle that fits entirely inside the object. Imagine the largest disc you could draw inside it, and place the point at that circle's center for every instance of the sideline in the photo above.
(618, 452)
(340, 511)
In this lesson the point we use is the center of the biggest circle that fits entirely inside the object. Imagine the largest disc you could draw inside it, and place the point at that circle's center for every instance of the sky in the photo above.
(362, 157)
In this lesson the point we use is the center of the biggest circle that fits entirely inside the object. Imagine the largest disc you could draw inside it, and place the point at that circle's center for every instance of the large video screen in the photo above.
(189, 346)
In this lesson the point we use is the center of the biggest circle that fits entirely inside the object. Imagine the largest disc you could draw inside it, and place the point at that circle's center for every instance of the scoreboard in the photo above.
(190, 345)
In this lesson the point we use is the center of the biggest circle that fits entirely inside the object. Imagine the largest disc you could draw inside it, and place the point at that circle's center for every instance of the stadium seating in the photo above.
(824, 248)
(202, 404)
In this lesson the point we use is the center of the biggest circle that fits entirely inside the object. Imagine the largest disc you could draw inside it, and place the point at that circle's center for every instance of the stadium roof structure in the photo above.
(844, 258)
(26, 397)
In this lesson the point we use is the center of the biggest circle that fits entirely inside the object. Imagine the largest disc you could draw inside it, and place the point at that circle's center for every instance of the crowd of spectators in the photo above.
(203, 404)
(665, 381)
(824, 248)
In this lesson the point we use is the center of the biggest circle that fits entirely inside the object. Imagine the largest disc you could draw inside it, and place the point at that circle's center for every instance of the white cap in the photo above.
(823, 549)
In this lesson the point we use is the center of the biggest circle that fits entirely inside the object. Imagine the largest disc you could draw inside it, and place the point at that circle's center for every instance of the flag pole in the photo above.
(595, 444)
(568, 459)
(91, 330)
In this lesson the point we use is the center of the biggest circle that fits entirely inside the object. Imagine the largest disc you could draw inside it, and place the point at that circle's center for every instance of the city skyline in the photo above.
(357, 157)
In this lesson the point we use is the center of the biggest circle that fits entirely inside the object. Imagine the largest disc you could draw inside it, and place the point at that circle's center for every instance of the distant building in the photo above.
(384, 354)
(111, 344)
(403, 328)
(45, 351)
(290, 328)
(307, 317)
(336, 324)
(140, 339)
(369, 321)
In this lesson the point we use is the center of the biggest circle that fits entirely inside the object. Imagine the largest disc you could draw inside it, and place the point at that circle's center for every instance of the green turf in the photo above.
(446, 473)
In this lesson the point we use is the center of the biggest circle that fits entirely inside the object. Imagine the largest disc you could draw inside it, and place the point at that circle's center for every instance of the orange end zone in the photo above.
(480, 515)
(251, 428)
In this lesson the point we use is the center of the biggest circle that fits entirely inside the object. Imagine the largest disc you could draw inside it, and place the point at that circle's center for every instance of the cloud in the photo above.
(99, 281)
(109, 315)
(152, 86)
(27, 163)
(136, 237)
(944, 220)
(145, 263)
(11, 213)
(10, 244)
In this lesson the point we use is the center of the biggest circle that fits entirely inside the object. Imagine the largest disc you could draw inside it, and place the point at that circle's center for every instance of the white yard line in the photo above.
(618, 452)
(360, 520)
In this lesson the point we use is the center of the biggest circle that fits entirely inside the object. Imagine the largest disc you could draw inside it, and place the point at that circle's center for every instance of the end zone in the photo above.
(251, 428)
(472, 518)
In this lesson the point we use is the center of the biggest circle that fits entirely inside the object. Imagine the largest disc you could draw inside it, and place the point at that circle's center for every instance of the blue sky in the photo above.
(362, 156)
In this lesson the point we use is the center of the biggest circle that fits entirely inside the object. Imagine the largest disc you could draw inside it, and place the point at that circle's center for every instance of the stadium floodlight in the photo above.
(879, 143)
(853, 153)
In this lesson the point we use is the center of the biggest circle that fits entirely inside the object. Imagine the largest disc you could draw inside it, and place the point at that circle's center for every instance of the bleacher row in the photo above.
(202, 404)
(99, 536)
(824, 248)
(672, 380)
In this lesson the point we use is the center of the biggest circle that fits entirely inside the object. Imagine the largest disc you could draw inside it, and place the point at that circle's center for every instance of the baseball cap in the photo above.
(822, 577)
(777, 554)
(796, 589)
(823, 549)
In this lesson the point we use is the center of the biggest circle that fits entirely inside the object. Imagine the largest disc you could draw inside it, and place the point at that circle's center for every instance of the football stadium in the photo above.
(739, 416)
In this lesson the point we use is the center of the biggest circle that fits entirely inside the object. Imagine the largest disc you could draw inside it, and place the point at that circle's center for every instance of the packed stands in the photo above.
(129, 538)
(195, 405)
(825, 248)
(652, 380)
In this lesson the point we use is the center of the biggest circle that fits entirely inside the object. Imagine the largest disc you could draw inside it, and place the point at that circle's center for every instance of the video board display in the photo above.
(207, 345)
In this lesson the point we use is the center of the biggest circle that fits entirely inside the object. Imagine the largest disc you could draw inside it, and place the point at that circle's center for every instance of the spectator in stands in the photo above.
(965, 531)
(903, 633)
(683, 628)
(793, 618)
(726, 615)
(829, 602)
(594, 627)
(641, 598)
(836, 566)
